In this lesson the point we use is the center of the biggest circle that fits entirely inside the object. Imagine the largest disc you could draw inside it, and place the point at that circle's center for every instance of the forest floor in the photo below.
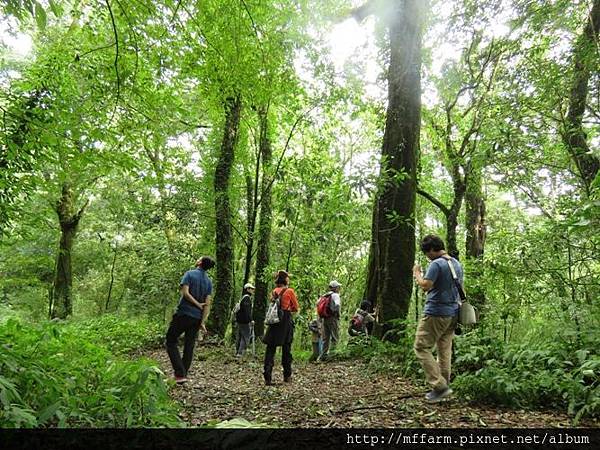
(330, 394)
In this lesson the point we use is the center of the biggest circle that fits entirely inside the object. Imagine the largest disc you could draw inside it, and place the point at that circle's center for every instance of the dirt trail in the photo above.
(332, 394)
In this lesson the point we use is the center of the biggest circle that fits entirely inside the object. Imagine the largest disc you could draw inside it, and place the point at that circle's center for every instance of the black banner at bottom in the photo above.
(289, 439)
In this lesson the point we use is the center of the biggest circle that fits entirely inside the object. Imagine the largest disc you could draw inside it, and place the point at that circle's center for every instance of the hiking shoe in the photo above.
(181, 380)
(436, 396)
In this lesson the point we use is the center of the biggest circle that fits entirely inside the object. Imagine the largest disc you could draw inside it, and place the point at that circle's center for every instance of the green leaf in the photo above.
(40, 15)
(56, 9)
(48, 412)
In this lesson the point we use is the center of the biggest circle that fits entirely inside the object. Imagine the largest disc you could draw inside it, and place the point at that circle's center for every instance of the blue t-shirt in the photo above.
(200, 286)
(442, 298)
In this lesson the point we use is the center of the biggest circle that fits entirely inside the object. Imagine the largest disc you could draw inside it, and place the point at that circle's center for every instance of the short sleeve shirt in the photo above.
(337, 301)
(200, 287)
(289, 301)
(442, 298)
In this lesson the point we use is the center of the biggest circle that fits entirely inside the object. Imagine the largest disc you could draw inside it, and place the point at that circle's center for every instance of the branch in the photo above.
(114, 27)
(171, 21)
(445, 210)
(78, 56)
(134, 34)
(362, 12)
(287, 144)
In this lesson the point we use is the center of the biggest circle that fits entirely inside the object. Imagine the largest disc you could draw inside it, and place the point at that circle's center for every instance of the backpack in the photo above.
(275, 313)
(324, 306)
(235, 310)
(356, 323)
(238, 307)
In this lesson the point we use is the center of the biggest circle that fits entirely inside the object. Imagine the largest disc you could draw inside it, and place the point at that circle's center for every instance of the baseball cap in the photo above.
(249, 286)
(334, 284)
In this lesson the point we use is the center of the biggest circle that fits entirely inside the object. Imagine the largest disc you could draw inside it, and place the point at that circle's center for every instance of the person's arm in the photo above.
(337, 300)
(424, 283)
(293, 301)
(205, 313)
(185, 293)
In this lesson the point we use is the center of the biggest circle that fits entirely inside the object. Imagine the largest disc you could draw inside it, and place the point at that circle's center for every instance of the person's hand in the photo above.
(417, 270)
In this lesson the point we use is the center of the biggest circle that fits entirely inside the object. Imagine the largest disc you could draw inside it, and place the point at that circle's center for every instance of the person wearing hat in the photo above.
(281, 334)
(243, 317)
(332, 322)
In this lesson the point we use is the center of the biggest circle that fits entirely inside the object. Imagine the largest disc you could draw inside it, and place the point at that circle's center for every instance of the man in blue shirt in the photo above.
(440, 315)
(191, 315)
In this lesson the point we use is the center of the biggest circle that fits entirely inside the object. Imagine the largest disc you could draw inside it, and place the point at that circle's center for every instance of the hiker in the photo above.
(281, 334)
(361, 318)
(331, 318)
(317, 343)
(243, 317)
(440, 316)
(190, 317)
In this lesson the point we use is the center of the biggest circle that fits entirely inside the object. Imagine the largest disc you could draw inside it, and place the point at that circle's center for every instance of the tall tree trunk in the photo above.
(112, 278)
(452, 218)
(396, 198)
(224, 238)
(262, 277)
(373, 265)
(475, 216)
(476, 234)
(68, 218)
(167, 223)
(585, 59)
(251, 202)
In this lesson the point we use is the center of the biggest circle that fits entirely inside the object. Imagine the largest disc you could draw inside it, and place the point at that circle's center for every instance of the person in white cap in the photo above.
(243, 317)
(332, 321)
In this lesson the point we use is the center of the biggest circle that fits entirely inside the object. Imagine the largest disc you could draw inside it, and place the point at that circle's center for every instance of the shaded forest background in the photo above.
(139, 135)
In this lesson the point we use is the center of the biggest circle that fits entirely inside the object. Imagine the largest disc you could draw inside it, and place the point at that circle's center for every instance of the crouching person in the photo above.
(361, 320)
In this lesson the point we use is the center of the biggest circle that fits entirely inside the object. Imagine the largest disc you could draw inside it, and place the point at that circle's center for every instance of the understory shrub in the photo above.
(120, 335)
(52, 375)
(524, 375)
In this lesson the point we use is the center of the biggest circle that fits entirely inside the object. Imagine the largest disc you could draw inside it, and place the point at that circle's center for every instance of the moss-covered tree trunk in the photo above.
(475, 237)
(224, 237)
(585, 60)
(394, 230)
(250, 224)
(264, 227)
(68, 218)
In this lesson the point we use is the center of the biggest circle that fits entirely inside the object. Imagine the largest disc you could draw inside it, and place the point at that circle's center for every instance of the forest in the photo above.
(325, 138)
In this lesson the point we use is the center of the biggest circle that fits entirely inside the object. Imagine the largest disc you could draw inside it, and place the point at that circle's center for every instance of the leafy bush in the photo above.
(52, 376)
(383, 356)
(553, 375)
(120, 335)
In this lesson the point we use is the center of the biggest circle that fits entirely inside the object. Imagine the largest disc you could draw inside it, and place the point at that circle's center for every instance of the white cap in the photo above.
(249, 286)
(334, 284)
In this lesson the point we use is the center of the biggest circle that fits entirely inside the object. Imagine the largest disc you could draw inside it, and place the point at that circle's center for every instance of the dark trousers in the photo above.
(179, 325)
(286, 360)
(244, 335)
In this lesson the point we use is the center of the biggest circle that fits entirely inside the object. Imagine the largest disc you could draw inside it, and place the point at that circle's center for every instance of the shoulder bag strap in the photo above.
(461, 291)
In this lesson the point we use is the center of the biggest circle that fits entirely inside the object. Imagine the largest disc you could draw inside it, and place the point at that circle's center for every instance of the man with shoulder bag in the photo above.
(442, 282)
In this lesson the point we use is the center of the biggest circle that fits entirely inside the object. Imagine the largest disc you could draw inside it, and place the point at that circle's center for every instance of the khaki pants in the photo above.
(438, 331)
(330, 333)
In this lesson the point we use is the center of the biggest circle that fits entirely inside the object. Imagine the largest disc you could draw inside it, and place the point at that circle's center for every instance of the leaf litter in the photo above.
(347, 393)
